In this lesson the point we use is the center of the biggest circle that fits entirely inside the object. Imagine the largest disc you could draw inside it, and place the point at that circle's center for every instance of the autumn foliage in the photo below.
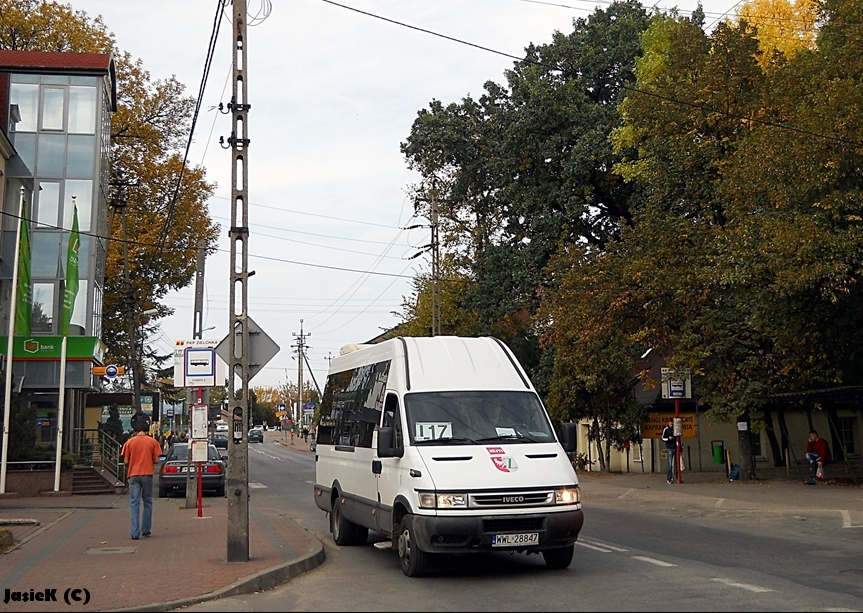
(652, 182)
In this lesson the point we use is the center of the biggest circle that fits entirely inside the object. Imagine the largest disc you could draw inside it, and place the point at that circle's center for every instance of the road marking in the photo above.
(310, 482)
(269, 455)
(598, 544)
(719, 503)
(257, 486)
(593, 547)
(653, 561)
(626, 493)
(846, 520)
(743, 586)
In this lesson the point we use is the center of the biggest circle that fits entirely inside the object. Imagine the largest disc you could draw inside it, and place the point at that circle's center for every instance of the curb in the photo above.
(264, 580)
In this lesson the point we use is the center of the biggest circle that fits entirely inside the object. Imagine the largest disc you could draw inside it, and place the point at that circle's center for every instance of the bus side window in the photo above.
(392, 418)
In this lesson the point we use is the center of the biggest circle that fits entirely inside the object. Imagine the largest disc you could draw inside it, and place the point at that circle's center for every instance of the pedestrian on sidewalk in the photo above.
(817, 453)
(140, 453)
(671, 450)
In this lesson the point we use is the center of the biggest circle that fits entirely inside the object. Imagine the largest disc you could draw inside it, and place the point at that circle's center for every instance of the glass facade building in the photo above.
(55, 110)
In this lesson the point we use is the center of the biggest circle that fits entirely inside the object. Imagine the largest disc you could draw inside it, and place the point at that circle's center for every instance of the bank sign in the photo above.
(48, 348)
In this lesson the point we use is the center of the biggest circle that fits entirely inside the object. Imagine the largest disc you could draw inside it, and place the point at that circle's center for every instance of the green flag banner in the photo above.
(71, 290)
(24, 291)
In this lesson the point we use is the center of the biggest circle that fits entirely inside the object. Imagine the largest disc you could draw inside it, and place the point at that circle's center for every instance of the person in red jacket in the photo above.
(817, 452)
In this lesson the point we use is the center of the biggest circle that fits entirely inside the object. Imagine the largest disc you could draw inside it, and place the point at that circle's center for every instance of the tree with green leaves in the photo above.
(526, 170)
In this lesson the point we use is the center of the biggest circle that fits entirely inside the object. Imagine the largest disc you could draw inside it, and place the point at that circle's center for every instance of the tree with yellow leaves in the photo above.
(784, 27)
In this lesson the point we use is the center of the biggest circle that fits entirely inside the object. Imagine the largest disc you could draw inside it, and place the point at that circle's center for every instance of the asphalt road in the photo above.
(628, 558)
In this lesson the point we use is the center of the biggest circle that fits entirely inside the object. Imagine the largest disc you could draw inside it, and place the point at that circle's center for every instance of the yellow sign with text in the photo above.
(656, 422)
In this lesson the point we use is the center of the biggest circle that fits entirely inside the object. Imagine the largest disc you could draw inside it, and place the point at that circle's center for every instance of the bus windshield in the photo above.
(476, 418)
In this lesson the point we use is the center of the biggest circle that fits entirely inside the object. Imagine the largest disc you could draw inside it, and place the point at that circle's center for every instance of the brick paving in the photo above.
(185, 557)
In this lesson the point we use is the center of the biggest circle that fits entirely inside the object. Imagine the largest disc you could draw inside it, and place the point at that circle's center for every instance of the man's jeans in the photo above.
(813, 458)
(672, 465)
(141, 487)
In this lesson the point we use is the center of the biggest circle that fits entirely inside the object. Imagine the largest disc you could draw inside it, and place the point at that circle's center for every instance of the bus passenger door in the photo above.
(389, 479)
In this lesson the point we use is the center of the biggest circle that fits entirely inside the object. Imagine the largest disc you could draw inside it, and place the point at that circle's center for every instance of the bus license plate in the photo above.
(515, 540)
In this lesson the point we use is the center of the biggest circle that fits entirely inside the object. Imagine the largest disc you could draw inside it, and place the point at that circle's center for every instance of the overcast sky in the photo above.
(333, 94)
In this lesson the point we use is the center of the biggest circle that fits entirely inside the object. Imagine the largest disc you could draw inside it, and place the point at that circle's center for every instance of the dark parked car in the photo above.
(220, 440)
(173, 476)
(256, 436)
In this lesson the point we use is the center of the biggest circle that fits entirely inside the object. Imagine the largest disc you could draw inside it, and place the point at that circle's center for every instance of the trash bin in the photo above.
(718, 451)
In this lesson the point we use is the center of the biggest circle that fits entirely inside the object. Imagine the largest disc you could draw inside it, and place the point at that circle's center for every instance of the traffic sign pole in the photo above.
(679, 447)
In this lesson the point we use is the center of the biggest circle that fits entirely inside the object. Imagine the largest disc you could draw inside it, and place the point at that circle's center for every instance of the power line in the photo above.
(629, 88)
(284, 210)
(339, 238)
(192, 248)
(299, 242)
(214, 35)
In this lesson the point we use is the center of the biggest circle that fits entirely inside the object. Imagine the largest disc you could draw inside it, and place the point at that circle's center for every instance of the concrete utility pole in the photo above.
(196, 395)
(301, 355)
(238, 329)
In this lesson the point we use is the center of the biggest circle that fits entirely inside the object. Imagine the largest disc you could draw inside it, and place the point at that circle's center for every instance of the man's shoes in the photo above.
(145, 534)
(134, 538)
(811, 483)
(669, 481)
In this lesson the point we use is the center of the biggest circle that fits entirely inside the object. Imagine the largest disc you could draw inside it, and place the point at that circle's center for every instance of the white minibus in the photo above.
(443, 445)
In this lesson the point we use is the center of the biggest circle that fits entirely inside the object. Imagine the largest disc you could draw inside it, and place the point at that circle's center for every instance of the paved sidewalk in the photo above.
(774, 492)
(83, 542)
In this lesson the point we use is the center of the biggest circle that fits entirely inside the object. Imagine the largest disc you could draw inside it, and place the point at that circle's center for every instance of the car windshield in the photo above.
(180, 453)
(470, 418)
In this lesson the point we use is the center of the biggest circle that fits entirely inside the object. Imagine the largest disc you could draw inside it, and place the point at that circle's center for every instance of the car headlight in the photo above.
(567, 495)
(433, 500)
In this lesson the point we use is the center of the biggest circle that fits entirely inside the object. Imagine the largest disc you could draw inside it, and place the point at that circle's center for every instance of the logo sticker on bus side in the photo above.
(495, 450)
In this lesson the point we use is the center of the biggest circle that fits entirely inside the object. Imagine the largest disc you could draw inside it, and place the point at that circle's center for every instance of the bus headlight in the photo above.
(567, 495)
(433, 500)
(452, 501)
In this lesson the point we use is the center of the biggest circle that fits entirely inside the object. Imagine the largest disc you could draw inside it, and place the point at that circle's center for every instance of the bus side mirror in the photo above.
(568, 439)
(386, 444)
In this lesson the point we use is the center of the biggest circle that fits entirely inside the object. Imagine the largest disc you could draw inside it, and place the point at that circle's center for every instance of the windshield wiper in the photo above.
(448, 441)
(508, 437)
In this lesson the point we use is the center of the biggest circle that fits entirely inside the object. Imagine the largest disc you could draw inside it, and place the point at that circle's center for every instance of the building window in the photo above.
(42, 318)
(82, 110)
(83, 193)
(756, 445)
(51, 155)
(26, 97)
(45, 254)
(81, 158)
(49, 204)
(53, 108)
(846, 433)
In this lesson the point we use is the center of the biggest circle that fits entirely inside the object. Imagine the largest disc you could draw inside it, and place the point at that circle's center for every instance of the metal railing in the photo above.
(100, 450)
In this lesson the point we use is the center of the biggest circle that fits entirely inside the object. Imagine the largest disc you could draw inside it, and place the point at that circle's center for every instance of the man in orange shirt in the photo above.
(140, 453)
